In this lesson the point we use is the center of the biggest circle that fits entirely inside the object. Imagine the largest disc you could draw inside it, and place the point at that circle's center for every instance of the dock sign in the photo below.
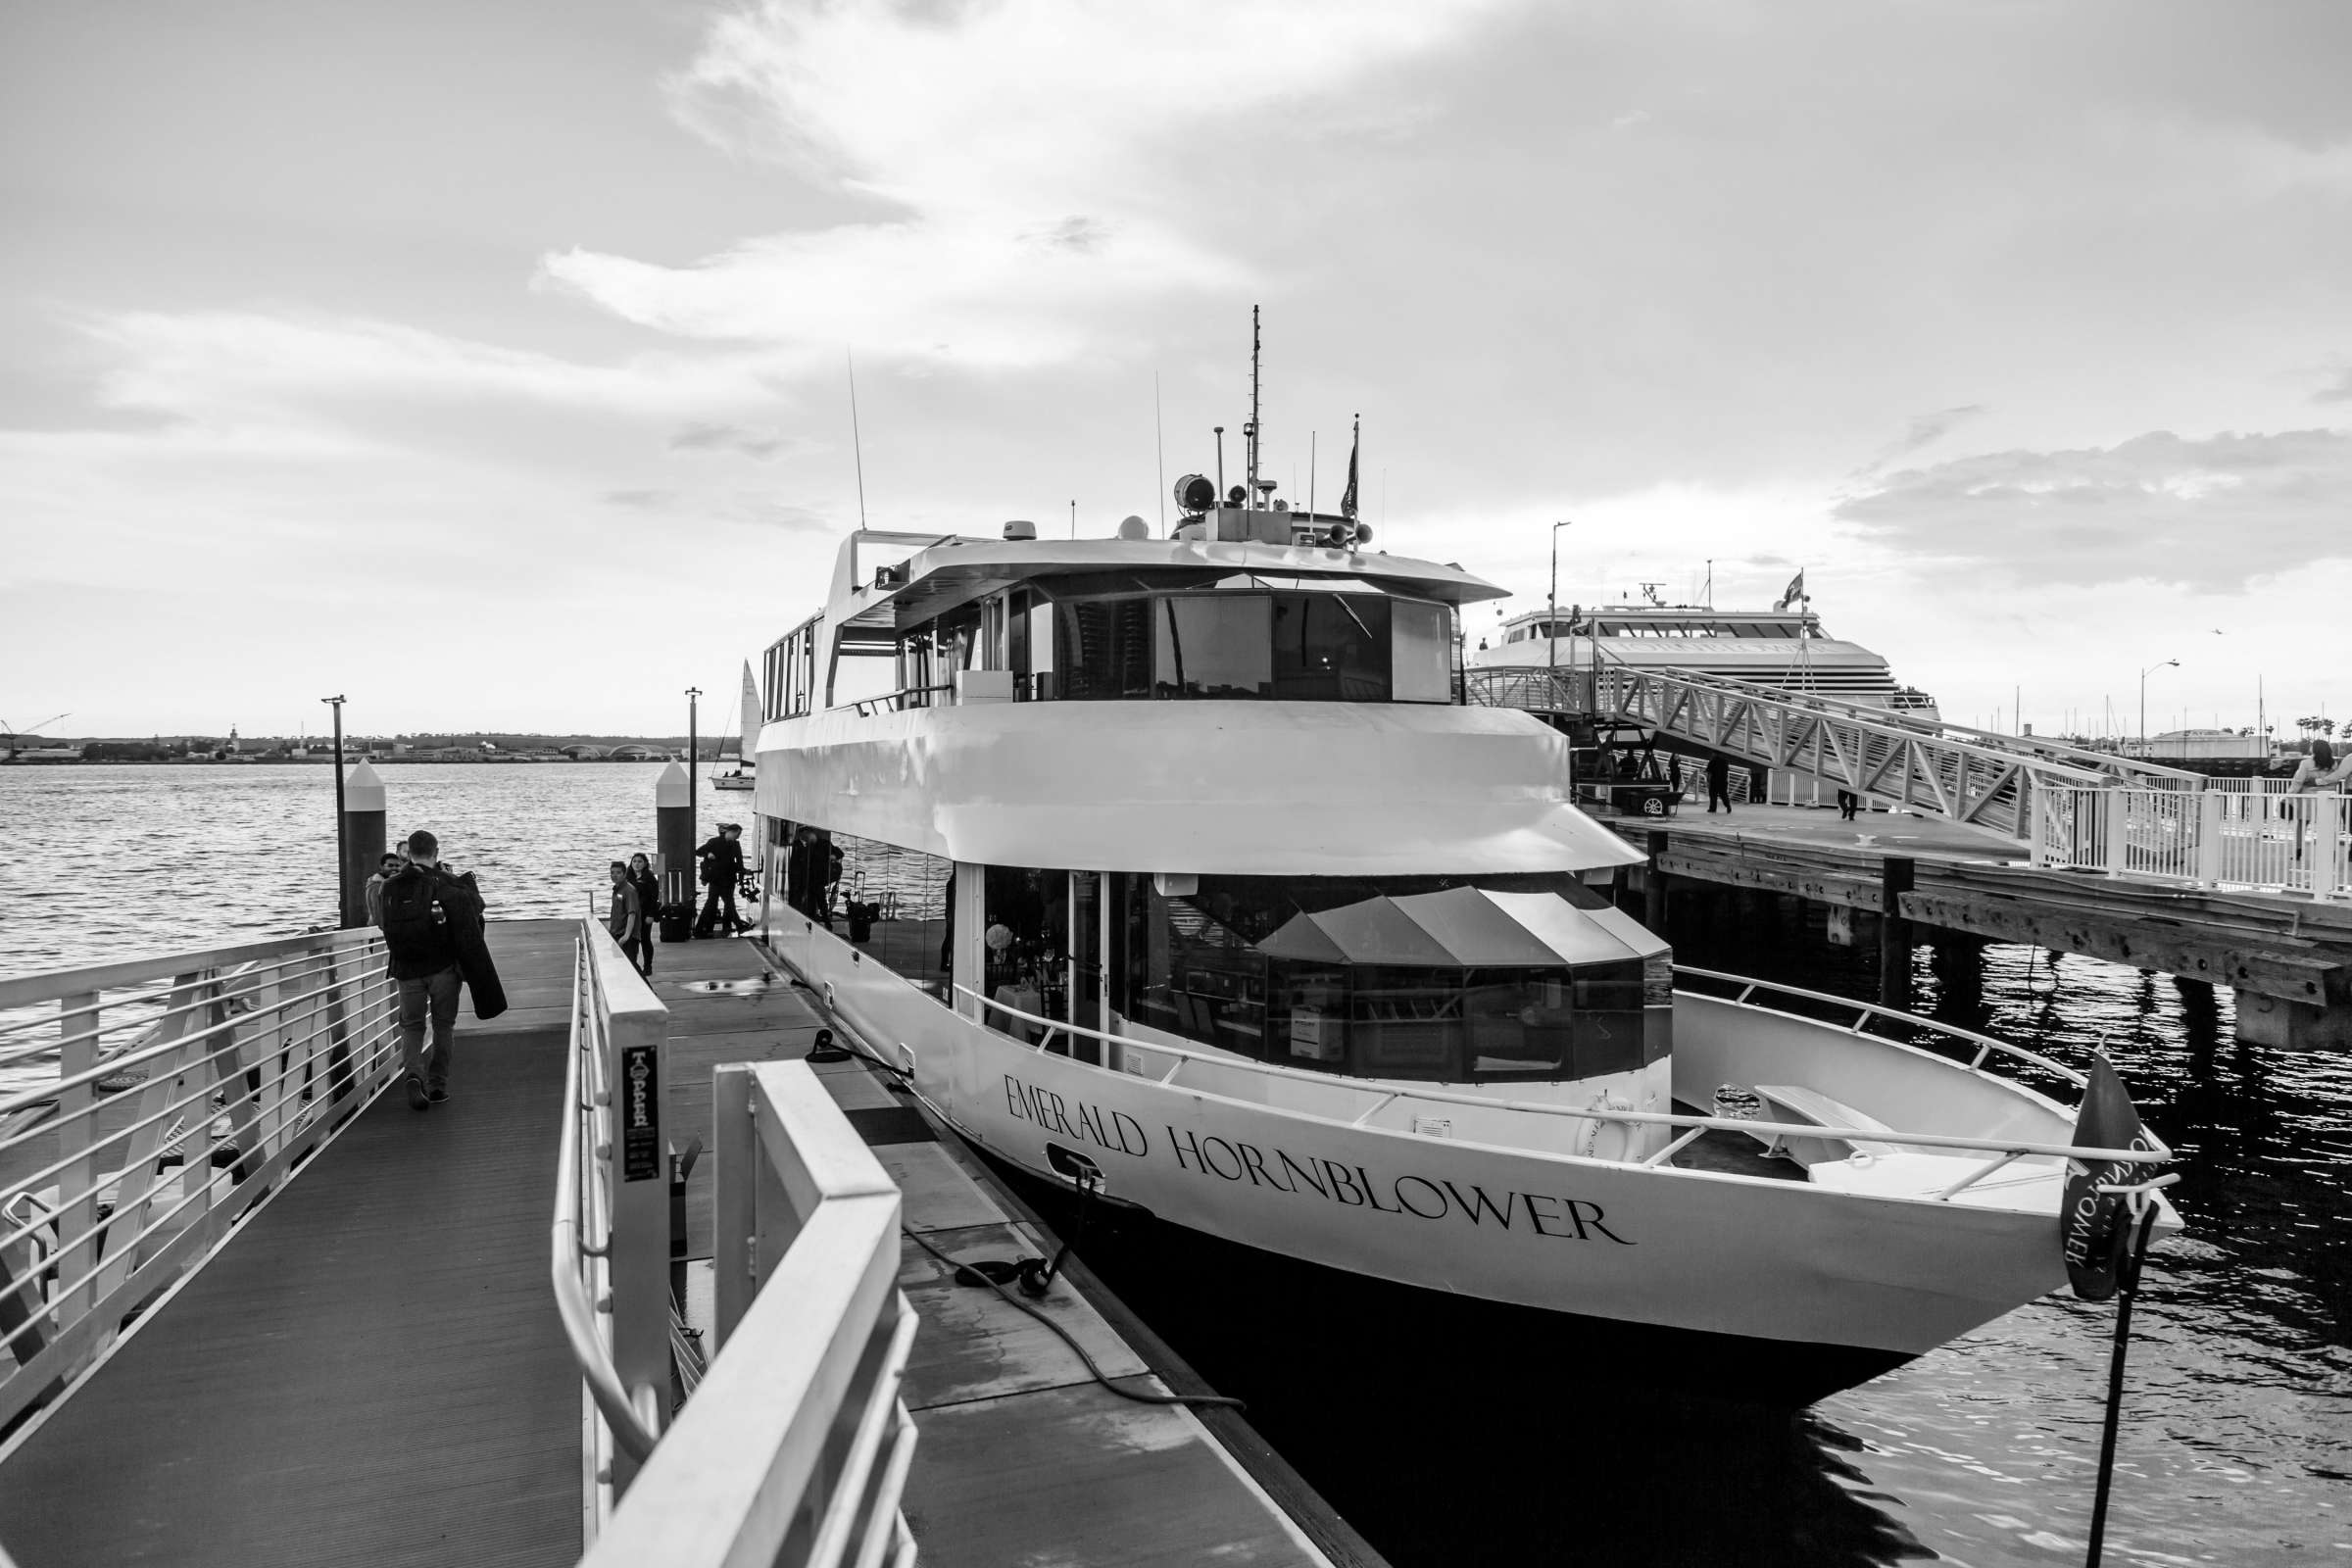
(641, 1112)
(2093, 1226)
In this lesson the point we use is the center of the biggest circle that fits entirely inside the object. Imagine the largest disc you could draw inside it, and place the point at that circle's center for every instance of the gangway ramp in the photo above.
(1971, 776)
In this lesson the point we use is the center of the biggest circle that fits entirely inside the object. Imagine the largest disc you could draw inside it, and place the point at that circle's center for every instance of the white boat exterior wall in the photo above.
(1242, 788)
(1688, 1250)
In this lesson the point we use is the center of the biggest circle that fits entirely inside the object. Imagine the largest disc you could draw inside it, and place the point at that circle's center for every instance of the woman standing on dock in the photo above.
(649, 907)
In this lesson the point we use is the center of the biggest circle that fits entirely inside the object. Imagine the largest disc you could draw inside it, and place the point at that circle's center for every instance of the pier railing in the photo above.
(1973, 776)
(2259, 841)
(794, 1445)
(154, 1104)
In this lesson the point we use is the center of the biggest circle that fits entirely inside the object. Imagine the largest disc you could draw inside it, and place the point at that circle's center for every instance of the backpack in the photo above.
(414, 928)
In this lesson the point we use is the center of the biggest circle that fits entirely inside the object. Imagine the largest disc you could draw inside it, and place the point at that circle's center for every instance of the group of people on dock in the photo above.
(636, 903)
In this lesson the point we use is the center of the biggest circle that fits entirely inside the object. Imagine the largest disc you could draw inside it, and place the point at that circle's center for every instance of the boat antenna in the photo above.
(1073, 517)
(1710, 582)
(1250, 429)
(1310, 480)
(1160, 443)
(1220, 429)
(857, 442)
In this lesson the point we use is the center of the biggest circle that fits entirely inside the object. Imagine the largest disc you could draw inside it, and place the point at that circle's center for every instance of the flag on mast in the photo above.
(1347, 495)
(1793, 592)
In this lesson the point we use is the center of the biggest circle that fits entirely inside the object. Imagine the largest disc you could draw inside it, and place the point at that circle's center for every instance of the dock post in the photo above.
(1653, 885)
(1895, 933)
(363, 840)
(673, 852)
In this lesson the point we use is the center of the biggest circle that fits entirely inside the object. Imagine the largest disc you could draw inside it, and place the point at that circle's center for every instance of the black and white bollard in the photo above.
(674, 842)
(363, 840)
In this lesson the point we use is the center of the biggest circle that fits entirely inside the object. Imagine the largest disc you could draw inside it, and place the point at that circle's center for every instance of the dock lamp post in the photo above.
(1551, 626)
(342, 849)
(692, 694)
(2143, 701)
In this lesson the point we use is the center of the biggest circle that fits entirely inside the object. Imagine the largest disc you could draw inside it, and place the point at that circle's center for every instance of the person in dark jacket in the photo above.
(649, 905)
(1719, 784)
(722, 869)
(418, 905)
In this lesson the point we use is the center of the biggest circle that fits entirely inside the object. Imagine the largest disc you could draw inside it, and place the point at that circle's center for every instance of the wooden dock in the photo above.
(2288, 958)
(372, 1369)
(1021, 1455)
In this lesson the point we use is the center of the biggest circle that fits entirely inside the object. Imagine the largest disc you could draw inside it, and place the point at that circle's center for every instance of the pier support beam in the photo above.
(1895, 933)
(1653, 885)
(363, 840)
(2291, 1025)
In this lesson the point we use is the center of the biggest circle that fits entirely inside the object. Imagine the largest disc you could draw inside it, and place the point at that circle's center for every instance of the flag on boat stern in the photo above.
(2096, 1228)
(1793, 592)
(1347, 495)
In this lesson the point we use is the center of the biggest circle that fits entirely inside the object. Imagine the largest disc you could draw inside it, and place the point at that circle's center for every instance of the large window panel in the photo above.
(1423, 656)
(1103, 649)
(1213, 645)
(1330, 648)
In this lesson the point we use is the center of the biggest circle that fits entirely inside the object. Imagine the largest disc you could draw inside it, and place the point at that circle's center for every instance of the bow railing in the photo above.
(2258, 841)
(146, 1106)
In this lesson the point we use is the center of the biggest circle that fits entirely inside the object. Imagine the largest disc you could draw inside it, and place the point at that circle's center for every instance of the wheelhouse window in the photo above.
(1289, 646)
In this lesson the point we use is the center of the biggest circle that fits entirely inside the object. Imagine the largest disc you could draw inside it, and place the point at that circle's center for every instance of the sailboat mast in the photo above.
(1253, 344)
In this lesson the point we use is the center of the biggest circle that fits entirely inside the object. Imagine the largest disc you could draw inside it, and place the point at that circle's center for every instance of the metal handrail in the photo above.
(1984, 1044)
(631, 1426)
(1659, 1119)
(300, 1037)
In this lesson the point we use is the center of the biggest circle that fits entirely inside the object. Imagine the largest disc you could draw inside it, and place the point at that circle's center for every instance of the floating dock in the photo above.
(371, 1367)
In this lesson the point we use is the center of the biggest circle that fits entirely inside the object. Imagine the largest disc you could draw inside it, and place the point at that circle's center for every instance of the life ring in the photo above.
(1627, 1134)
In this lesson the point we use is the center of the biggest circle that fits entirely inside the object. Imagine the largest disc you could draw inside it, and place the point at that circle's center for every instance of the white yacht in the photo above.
(1173, 869)
(1783, 647)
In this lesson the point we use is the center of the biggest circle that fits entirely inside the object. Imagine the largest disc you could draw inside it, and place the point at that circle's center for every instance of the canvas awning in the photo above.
(1463, 928)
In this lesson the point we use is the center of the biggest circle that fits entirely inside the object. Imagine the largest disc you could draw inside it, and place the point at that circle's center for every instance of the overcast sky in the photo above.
(485, 362)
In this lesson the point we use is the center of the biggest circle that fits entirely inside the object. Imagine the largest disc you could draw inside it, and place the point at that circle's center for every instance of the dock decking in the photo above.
(372, 1369)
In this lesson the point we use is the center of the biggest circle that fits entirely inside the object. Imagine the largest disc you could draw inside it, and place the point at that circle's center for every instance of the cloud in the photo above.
(641, 500)
(2211, 513)
(1926, 430)
(1033, 177)
(2341, 392)
(710, 437)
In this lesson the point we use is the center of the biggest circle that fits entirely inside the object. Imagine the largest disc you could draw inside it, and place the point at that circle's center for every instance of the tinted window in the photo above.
(1213, 646)
(1330, 648)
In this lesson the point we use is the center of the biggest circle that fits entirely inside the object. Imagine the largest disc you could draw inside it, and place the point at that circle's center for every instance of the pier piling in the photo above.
(673, 852)
(1895, 933)
(1653, 885)
(363, 840)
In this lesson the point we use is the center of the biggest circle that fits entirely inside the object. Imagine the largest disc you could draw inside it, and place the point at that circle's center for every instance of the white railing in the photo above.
(159, 1101)
(1361, 1103)
(794, 1447)
(2254, 839)
(1970, 776)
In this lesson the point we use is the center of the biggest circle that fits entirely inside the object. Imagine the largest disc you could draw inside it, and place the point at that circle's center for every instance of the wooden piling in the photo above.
(1653, 884)
(1895, 933)
(673, 847)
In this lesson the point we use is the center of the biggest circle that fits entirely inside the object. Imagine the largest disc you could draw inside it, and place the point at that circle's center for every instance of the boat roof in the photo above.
(1466, 928)
(944, 572)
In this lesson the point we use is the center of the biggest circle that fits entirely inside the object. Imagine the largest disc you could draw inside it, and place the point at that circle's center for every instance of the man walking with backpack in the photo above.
(722, 869)
(427, 914)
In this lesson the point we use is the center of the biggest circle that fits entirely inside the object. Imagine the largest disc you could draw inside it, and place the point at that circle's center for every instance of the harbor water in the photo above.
(2237, 1442)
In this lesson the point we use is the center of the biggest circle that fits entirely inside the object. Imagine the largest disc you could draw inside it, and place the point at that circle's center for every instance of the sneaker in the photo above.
(417, 1096)
(436, 1096)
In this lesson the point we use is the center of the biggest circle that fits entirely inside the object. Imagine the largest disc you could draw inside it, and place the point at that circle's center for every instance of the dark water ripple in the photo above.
(2237, 1448)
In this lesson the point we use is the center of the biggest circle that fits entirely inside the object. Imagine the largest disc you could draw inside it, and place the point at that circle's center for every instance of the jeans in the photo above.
(639, 949)
(1718, 792)
(438, 993)
(718, 891)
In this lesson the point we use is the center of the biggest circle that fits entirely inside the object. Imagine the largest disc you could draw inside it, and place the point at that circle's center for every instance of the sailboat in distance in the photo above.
(745, 744)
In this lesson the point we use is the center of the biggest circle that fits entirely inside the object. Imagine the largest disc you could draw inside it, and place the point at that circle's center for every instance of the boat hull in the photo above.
(1748, 1259)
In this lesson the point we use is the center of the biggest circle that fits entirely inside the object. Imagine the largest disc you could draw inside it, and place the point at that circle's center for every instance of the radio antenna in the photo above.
(1159, 443)
(857, 442)
(1251, 499)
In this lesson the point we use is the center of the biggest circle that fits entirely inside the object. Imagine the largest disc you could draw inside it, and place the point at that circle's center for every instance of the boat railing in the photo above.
(2256, 840)
(1385, 1098)
(794, 1445)
(154, 1104)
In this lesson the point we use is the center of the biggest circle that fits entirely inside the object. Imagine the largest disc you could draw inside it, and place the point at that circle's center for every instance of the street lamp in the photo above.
(2143, 701)
(692, 693)
(1551, 626)
(342, 849)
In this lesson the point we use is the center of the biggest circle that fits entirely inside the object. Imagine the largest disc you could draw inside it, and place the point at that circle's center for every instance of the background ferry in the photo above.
(1784, 647)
